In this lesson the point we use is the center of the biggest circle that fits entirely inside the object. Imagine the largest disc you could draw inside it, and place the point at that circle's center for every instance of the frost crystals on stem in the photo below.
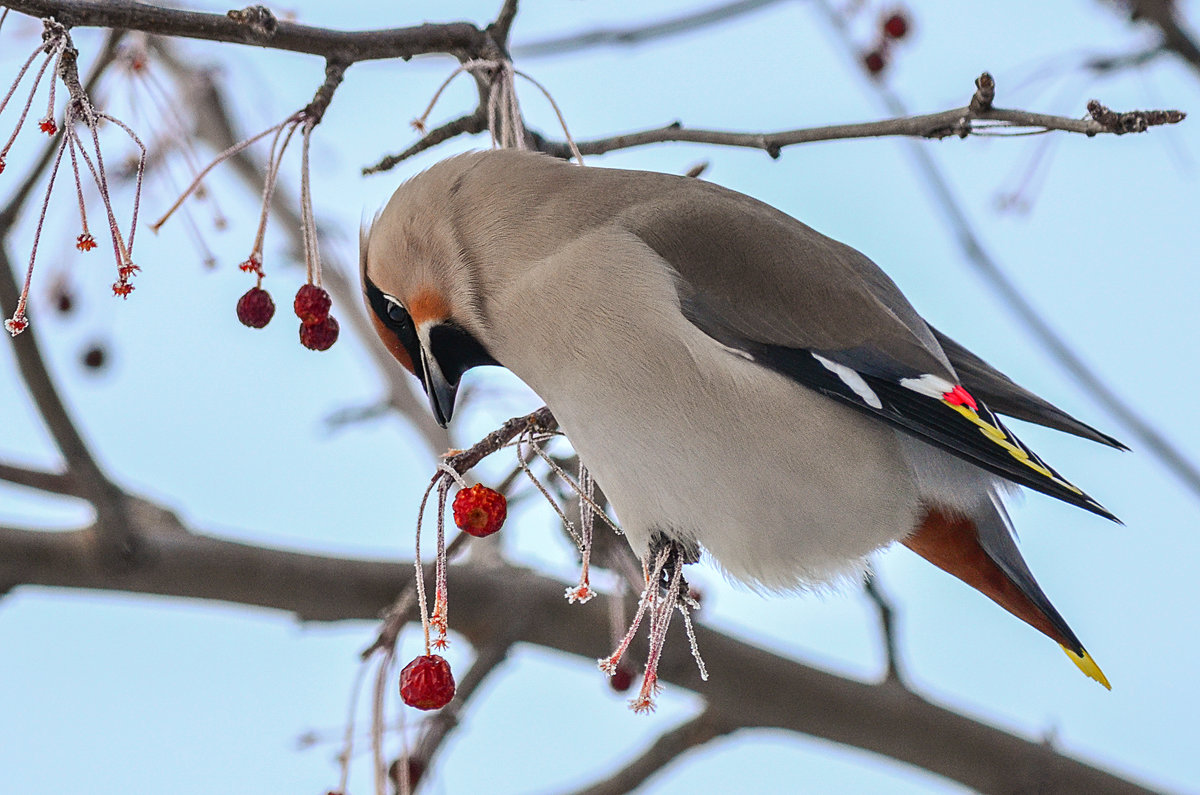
(78, 111)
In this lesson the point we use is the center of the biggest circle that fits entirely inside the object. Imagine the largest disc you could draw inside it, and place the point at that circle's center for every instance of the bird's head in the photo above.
(421, 292)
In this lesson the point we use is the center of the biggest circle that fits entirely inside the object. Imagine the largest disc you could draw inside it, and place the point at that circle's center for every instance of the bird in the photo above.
(736, 382)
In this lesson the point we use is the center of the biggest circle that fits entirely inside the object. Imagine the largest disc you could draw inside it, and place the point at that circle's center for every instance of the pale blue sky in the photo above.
(103, 693)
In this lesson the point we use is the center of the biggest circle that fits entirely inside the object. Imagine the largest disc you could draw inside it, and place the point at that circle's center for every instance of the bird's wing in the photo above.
(824, 315)
(1004, 396)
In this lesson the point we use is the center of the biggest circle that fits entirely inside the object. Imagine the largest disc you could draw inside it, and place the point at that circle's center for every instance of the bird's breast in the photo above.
(782, 486)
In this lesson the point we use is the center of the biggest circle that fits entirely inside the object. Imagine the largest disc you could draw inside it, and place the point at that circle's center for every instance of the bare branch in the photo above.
(1164, 14)
(471, 123)
(641, 33)
(500, 29)
(346, 47)
(662, 752)
(53, 482)
(85, 473)
(755, 685)
(959, 122)
(887, 628)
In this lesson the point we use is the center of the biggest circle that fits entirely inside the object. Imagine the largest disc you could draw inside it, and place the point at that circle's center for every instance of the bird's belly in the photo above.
(782, 486)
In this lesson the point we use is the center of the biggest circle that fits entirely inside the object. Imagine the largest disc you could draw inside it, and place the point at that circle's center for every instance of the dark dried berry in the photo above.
(319, 336)
(895, 26)
(255, 309)
(622, 678)
(312, 304)
(874, 61)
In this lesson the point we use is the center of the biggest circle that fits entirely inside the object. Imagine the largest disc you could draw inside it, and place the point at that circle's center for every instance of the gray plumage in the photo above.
(731, 376)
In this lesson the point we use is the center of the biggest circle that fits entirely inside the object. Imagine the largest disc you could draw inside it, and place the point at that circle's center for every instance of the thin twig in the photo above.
(887, 629)
(958, 122)
(703, 728)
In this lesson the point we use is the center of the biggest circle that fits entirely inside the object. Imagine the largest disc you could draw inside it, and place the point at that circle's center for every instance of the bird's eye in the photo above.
(396, 311)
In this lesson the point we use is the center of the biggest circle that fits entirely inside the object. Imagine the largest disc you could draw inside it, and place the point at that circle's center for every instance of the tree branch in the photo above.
(40, 479)
(666, 749)
(756, 687)
(241, 27)
(472, 123)
(1164, 15)
(638, 34)
(959, 122)
(87, 478)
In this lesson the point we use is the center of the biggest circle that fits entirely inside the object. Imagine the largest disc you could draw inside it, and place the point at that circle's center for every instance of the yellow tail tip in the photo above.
(1088, 666)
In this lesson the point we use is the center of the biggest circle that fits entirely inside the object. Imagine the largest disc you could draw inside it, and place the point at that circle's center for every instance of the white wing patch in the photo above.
(855, 381)
(929, 385)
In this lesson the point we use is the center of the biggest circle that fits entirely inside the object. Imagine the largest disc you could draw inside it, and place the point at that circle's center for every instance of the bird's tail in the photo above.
(981, 552)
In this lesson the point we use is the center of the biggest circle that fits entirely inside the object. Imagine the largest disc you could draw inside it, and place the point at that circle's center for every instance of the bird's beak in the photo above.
(440, 391)
(438, 386)
(447, 351)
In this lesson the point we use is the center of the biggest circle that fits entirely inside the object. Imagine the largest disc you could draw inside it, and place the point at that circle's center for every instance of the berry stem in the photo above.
(221, 158)
(422, 605)
(308, 224)
(18, 322)
(29, 102)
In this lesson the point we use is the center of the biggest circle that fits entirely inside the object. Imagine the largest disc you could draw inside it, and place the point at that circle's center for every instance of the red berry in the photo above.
(255, 309)
(122, 288)
(312, 304)
(479, 511)
(48, 126)
(622, 678)
(427, 683)
(895, 26)
(85, 242)
(319, 336)
(874, 61)
(2, 164)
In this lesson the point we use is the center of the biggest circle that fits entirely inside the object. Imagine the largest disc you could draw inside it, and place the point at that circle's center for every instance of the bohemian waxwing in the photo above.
(733, 379)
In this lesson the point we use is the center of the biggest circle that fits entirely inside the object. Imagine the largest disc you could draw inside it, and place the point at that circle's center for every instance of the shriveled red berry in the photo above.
(255, 309)
(122, 288)
(48, 126)
(85, 242)
(319, 336)
(622, 678)
(312, 304)
(427, 683)
(895, 26)
(874, 61)
(479, 511)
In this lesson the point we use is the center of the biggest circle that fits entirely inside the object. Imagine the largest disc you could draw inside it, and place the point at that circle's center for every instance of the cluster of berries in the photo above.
(892, 28)
(318, 329)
